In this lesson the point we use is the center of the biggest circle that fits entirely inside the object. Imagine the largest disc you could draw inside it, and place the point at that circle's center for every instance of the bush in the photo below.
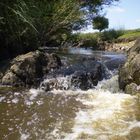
(111, 34)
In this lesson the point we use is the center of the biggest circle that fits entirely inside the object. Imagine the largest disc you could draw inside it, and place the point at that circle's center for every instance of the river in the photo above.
(100, 113)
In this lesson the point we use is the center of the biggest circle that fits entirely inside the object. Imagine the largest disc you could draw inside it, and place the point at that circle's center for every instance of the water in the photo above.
(101, 113)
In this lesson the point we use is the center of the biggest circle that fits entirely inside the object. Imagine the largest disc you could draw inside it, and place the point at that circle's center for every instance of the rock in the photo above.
(54, 61)
(28, 69)
(82, 75)
(132, 89)
(80, 80)
(129, 73)
(115, 63)
(88, 78)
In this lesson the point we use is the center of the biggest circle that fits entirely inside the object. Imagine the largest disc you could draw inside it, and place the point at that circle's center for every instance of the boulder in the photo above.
(89, 78)
(115, 63)
(82, 75)
(28, 69)
(129, 73)
(80, 80)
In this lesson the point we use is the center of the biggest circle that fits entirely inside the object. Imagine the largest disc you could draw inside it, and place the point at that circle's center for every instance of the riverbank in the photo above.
(108, 40)
(122, 46)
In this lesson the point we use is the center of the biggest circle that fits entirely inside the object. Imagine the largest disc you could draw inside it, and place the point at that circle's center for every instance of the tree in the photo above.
(29, 24)
(100, 23)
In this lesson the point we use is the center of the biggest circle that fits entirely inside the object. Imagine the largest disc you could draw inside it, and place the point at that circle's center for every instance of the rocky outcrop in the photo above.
(129, 74)
(28, 69)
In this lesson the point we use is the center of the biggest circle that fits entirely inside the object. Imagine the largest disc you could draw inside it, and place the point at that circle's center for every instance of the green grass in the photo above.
(92, 39)
(130, 34)
(88, 36)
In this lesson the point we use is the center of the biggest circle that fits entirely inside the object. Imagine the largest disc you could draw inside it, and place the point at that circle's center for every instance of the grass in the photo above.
(111, 35)
(130, 34)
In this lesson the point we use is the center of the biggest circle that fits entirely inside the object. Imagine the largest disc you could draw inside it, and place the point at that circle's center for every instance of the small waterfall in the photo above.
(69, 82)
(101, 113)
(60, 110)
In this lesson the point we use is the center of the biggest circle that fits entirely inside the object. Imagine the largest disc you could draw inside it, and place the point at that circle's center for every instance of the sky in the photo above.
(124, 15)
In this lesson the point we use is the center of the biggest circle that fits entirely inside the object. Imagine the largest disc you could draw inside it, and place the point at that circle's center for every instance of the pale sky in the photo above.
(126, 15)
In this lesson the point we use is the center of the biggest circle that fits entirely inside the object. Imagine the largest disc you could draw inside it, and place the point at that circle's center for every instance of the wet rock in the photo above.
(130, 71)
(80, 80)
(28, 69)
(132, 89)
(114, 63)
(82, 75)
(88, 78)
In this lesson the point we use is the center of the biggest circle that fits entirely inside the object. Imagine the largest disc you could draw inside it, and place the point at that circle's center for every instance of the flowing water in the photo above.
(101, 113)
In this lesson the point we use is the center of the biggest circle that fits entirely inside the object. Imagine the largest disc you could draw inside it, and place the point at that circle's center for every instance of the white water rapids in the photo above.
(109, 115)
(100, 113)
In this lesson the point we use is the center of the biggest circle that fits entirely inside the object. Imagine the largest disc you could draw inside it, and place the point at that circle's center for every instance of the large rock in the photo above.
(129, 74)
(28, 69)
(82, 75)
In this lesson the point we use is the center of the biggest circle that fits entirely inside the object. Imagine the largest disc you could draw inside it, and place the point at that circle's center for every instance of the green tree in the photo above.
(100, 23)
(28, 24)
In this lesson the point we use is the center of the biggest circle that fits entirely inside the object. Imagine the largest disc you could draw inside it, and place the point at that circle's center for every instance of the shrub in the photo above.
(111, 34)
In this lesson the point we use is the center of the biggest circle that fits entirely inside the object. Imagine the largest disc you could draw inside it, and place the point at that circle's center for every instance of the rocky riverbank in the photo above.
(129, 74)
(118, 45)
(30, 69)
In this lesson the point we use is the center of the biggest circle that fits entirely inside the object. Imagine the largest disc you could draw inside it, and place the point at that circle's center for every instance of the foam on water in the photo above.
(101, 113)
(109, 113)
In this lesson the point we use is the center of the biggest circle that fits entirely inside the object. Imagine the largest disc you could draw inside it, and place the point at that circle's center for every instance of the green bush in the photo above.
(86, 40)
(26, 25)
(111, 34)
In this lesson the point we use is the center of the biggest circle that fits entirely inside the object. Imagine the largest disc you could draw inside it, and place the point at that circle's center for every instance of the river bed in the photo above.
(100, 113)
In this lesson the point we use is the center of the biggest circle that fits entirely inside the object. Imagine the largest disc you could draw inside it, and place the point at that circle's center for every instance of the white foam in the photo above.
(106, 110)
(15, 100)
(2, 98)
(33, 93)
(24, 136)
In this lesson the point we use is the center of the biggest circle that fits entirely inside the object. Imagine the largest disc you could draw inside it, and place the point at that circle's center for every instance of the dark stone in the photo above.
(80, 80)
(114, 63)
(82, 75)
(28, 69)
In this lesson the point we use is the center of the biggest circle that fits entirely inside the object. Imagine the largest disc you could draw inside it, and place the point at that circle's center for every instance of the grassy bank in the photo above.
(130, 34)
(111, 35)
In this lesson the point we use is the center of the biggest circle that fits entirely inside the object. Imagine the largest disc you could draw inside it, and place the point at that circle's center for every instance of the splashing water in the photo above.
(67, 113)
(102, 113)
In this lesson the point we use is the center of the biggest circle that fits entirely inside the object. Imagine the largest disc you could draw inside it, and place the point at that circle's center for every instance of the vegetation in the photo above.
(130, 34)
(28, 24)
(111, 34)
(93, 39)
(100, 23)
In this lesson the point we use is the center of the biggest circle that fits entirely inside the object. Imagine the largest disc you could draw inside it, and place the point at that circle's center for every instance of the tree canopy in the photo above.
(100, 23)
(31, 23)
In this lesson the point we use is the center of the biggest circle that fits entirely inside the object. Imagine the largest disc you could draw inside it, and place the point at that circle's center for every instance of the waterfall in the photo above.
(60, 110)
